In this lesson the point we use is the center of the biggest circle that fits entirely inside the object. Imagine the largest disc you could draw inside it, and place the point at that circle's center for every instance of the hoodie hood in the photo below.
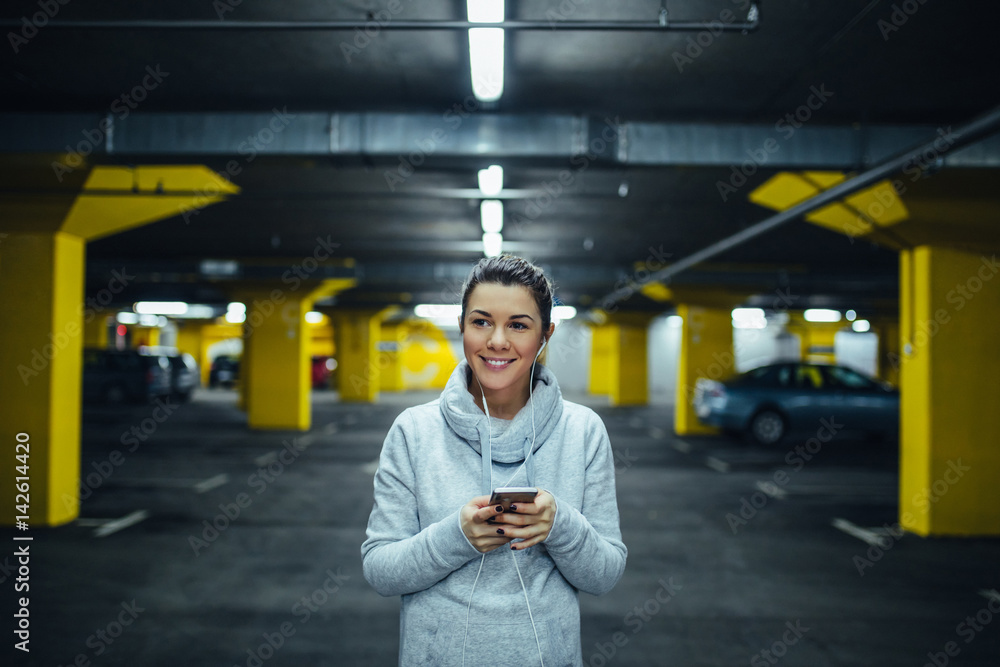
(468, 421)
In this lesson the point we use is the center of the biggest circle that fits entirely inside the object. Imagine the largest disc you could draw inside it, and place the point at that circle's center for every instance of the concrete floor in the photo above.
(280, 582)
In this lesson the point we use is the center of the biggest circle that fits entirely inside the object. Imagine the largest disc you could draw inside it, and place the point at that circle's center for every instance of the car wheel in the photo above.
(767, 427)
(114, 395)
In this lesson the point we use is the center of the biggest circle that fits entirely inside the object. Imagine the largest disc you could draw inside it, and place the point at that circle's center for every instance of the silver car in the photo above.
(768, 402)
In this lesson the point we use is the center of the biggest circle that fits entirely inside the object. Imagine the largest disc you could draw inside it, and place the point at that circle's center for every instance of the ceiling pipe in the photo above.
(977, 129)
(388, 23)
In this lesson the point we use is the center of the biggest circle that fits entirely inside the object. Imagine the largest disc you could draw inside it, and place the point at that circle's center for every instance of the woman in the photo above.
(433, 537)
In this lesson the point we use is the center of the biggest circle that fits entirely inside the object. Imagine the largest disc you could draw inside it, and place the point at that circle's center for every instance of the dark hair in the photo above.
(508, 270)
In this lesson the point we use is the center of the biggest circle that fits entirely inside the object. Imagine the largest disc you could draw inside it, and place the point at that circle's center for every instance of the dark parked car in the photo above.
(224, 372)
(120, 376)
(185, 377)
(768, 402)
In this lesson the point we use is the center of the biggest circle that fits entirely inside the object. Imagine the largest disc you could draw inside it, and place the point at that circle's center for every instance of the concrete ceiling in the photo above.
(675, 117)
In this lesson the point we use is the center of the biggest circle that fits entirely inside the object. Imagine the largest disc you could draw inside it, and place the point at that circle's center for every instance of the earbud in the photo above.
(544, 343)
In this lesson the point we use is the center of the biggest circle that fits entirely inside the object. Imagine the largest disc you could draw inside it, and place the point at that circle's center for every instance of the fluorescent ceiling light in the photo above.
(560, 313)
(861, 326)
(492, 244)
(314, 317)
(486, 63)
(161, 308)
(151, 320)
(822, 315)
(127, 318)
(485, 11)
(851, 315)
(491, 213)
(491, 180)
(749, 318)
(441, 314)
(674, 320)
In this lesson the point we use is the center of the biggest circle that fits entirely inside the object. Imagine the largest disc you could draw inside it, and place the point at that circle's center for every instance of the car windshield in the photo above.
(844, 378)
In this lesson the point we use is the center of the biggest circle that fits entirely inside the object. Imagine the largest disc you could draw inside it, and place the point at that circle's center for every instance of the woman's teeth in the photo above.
(498, 364)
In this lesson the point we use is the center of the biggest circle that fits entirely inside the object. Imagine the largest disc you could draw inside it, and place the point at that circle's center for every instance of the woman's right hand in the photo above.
(484, 536)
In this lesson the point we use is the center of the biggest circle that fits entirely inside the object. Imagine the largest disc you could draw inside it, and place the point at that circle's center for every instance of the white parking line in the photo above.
(265, 459)
(122, 523)
(871, 536)
(681, 446)
(771, 489)
(990, 594)
(211, 483)
(331, 428)
(716, 464)
(657, 433)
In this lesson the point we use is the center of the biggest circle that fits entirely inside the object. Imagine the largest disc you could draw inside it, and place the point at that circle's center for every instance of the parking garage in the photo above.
(232, 243)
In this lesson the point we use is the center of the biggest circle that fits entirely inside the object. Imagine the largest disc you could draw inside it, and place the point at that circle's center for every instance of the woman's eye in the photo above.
(519, 326)
(480, 322)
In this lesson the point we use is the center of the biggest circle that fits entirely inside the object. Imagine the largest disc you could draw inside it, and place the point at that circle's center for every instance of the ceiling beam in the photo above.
(407, 141)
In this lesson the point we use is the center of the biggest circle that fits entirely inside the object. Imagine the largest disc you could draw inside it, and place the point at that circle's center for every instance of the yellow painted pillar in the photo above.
(275, 371)
(949, 382)
(95, 330)
(145, 336)
(619, 360)
(41, 352)
(275, 366)
(888, 350)
(427, 357)
(42, 332)
(359, 367)
(706, 352)
(816, 338)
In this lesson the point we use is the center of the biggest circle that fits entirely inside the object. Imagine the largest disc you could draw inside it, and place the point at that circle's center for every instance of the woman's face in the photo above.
(502, 334)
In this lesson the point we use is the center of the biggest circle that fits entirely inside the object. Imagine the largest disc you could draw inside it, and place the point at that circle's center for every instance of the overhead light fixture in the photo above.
(491, 214)
(492, 244)
(851, 315)
(160, 308)
(560, 313)
(491, 180)
(822, 315)
(486, 49)
(126, 317)
(441, 314)
(236, 313)
(749, 318)
(314, 317)
(861, 326)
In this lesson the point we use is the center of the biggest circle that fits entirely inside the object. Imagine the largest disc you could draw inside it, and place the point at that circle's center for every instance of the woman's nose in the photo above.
(497, 339)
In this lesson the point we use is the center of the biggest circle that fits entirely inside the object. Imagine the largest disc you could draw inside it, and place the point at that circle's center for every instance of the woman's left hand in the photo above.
(530, 522)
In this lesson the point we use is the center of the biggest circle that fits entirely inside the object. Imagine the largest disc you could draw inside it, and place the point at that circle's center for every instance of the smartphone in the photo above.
(507, 495)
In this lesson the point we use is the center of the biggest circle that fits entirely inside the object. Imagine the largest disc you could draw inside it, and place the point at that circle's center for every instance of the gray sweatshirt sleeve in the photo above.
(398, 557)
(587, 545)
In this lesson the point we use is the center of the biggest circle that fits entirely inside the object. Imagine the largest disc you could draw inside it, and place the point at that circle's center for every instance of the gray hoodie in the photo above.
(431, 465)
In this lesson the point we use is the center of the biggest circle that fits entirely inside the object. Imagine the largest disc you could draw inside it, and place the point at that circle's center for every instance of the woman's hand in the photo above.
(484, 536)
(530, 522)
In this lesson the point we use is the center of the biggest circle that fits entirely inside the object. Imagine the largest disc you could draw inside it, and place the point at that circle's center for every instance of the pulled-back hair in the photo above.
(508, 270)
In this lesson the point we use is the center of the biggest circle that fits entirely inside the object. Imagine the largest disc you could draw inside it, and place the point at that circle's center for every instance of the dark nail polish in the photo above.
(513, 508)
(499, 531)
(499, 508)
(513, 548)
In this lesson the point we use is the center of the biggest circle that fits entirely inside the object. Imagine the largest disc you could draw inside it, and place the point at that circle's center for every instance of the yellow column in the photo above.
(41, 350)
(275, 371)
(359, 367)
(618, 365)
(41, 334)
(816, 338)
(888, 350)
(95, 330)
(950, 463)
(706, 352)
(145, 336)
(426, 355)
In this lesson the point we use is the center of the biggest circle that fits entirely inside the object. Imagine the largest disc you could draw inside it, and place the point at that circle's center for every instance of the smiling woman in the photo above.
(434, 535)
